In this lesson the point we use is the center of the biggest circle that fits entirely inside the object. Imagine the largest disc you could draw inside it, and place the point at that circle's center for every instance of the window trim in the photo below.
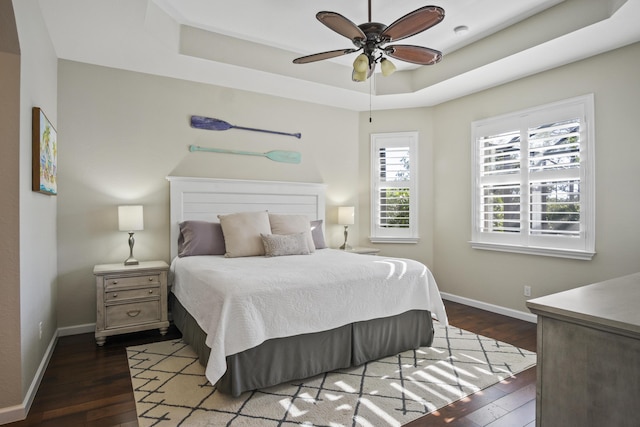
(496, 242)
(390, 139)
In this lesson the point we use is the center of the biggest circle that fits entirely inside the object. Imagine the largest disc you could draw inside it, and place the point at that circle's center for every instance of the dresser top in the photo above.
(612, 304)
(121, 268)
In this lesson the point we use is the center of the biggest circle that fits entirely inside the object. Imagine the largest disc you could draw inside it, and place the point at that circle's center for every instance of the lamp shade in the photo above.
(130, 218)
(361, 63)
(387, 67)
(346, 215)
(358, 77)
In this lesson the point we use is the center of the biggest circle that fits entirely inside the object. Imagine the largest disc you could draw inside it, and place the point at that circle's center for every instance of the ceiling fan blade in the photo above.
(413, 23)
(323, 55)
(414, 54)
(341, 25)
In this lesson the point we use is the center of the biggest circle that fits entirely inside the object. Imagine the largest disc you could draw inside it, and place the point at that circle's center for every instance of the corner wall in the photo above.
(29, 289)
(10, 379)
(38, 234)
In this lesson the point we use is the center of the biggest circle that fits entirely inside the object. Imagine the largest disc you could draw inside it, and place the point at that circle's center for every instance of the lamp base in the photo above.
(131, 261)
(345, 246)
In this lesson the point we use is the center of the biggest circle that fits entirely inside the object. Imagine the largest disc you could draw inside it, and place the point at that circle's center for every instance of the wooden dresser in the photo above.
(130, 298)
(588, 371)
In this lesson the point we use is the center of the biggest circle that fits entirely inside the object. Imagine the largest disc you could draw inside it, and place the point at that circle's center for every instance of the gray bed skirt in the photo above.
(285, 359)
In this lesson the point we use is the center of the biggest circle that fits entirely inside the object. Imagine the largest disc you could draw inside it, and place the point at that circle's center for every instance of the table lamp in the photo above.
(130, 219)
(346, 217)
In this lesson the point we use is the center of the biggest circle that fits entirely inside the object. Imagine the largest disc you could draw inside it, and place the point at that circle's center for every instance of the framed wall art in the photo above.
(44, 154)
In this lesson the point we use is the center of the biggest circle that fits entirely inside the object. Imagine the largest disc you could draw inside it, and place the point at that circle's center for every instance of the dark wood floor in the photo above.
(86, 385)
(510, 403)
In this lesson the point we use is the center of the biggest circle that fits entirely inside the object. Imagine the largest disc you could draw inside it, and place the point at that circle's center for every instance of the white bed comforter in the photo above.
(241, 302)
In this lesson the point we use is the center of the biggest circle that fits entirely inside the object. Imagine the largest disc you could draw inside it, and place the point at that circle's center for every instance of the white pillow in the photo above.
(242, 233)
(291, 224)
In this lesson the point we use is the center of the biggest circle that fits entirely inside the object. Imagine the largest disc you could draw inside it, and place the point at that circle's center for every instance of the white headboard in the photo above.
(205, 198)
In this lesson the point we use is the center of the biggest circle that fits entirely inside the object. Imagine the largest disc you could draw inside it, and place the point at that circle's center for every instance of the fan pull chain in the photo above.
(370, 97)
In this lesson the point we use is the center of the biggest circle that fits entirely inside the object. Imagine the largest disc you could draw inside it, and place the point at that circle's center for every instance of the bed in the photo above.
(260, 320)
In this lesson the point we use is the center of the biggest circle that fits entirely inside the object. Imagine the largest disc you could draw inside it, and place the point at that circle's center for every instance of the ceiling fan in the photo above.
(371, 38)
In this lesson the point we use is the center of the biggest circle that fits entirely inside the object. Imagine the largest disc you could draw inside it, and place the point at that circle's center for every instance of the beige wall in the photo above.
(38, 251)
(498, 278)
(28, 249)
(121, 133)
(10, 378)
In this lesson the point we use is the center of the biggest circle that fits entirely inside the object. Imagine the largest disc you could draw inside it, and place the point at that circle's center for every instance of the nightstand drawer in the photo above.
(125, 281)
(132, 314)
(118, 295)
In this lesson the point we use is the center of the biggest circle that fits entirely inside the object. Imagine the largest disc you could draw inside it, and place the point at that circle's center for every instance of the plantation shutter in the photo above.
(393, 191)
(500, 162)
(554, 179)
(533, 181)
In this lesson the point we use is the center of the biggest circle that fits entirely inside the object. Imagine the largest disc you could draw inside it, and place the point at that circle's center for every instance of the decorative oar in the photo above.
(209, 123)
(275, 155)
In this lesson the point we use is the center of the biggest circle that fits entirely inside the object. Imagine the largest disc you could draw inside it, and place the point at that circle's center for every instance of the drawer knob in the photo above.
(151, 279)
(115, 295)
(115, 282)
(150, 291)
(133, 313)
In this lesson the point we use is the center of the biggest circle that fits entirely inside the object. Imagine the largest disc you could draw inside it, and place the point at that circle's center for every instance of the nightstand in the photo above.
(130, 298)
(364, 251)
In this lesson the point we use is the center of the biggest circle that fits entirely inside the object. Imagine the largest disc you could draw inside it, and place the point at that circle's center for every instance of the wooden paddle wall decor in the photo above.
(209, 123)
(275, 155)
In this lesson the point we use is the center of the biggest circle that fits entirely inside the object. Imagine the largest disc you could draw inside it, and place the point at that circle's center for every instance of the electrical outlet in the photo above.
(527, 291)
(40, 328)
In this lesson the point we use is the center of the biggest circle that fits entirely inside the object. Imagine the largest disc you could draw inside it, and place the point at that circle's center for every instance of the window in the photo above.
(394, 190)
(533, 181)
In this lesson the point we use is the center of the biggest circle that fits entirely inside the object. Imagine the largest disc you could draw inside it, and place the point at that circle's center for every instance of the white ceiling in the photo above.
(249, 44)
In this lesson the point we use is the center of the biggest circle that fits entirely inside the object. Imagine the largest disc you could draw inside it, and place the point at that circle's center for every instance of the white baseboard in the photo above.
(11, 414)
(19, 412)
(76, 330)
(15, 413)
(529, 317)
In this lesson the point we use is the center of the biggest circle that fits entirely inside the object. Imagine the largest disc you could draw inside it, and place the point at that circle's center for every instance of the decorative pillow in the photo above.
(200, 238)
(317, 234)
(242, 233)
(285, 244)
(290, 224)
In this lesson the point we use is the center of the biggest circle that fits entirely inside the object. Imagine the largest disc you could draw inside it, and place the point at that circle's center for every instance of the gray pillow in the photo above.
(200, 238)
(317, 234)
(285, 244)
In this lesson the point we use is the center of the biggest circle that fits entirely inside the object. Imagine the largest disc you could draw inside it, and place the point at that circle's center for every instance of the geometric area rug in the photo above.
(171, 390)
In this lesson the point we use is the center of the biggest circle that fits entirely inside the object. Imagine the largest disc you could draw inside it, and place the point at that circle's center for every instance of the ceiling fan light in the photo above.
(357, 76)
(361, 63)
(387, 67)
